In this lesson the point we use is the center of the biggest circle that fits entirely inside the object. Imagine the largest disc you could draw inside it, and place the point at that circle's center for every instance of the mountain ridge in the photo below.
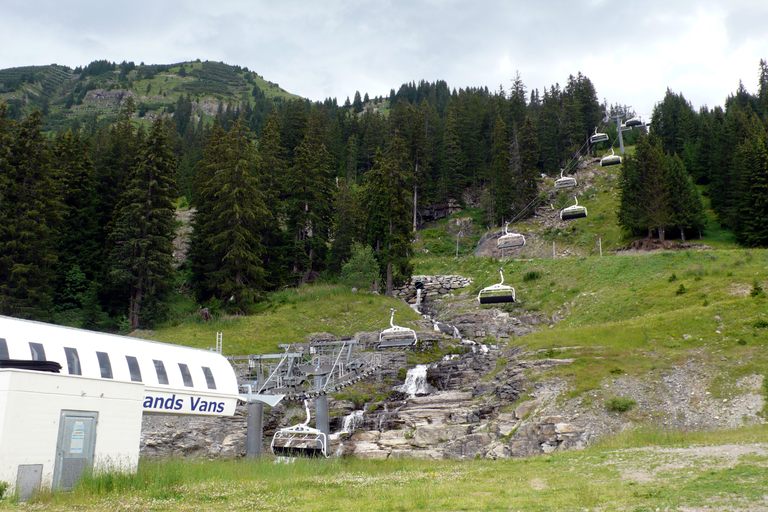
(94, 93)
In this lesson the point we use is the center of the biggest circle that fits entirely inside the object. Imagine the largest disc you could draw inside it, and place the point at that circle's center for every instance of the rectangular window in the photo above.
(209, 378)
(162, 377)
(38, 352)
(73, 361)
(104, 365)
(133, 367)
(4, 349)
(186, 375)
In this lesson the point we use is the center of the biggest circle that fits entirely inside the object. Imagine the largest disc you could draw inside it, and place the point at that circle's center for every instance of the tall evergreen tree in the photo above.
(348, 224)
(452, 177)
(526, 182)
(387, 201)
(752, 228)
(31, 213)
(685, 206)
(273, 179)
(79, 233)
(309, 200)
(505, 162)
(141, 256)
(644, 197)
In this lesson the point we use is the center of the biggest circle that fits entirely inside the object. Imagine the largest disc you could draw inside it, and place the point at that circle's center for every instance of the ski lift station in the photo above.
(72, 400)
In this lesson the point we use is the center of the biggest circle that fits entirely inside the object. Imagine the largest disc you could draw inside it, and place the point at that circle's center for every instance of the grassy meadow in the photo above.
(636, 471)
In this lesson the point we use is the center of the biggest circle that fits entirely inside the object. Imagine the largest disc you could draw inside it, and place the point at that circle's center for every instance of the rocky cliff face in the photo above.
(486, 402)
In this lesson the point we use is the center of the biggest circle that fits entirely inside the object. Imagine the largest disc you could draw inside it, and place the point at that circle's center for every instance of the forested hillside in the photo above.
(285, 190)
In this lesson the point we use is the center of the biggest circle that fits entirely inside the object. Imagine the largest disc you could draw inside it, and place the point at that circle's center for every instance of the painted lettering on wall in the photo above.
(191, 404)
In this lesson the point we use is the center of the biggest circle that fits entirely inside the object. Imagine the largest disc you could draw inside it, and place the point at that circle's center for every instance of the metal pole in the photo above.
(321, 408)
(254, 439)
(321, 414)
(621, 139)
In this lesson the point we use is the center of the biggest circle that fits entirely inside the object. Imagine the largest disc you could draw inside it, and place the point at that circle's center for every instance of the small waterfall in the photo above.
(351, 422)
(417, 306)
(416, 382)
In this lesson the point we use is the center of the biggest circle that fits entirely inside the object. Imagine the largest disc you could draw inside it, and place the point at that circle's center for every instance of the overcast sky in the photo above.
(631, 50)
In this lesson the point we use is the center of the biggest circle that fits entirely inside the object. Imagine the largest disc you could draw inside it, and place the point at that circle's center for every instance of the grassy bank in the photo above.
(642, 470)
(289, 316)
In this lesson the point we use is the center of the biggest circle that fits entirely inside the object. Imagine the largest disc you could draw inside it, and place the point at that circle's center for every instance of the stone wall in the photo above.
(433, 286)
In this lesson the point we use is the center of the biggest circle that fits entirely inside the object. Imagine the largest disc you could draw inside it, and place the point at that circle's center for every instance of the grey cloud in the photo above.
(334, 47)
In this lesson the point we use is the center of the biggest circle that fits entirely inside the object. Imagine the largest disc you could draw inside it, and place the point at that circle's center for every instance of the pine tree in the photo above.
(517, 106)
(762, 88)
(309, 200)
(142, 238)
(31, 214)
(348, 224)
(387, 201)
(452, 177)
(273, 177)
(238, 217)
(645, 201)
(203, 262)
(526, 183)
(505, 162)
(752, 228)
(79, 233)
(116, 155)
(357, 103)
(685, 207)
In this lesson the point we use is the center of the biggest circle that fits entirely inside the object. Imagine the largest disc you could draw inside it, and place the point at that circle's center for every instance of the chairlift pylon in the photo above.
(564, 182)
(510, 240)
(300, 440)
(396, 336)
(497, 293)
(612, 159)
(598, 137)
(574, 211)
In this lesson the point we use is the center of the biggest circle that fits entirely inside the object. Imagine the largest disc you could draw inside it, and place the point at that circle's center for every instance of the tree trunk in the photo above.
(415, 202)
(134, 307)
(389, 278)
(682, 233)
(661, 233)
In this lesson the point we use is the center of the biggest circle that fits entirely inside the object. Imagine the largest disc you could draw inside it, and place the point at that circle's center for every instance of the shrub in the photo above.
(532, 275)
(681, 289)
(672, 278)
(620, 404)
(3, 488)
(361, 270)
(760, 324)
(757, 290)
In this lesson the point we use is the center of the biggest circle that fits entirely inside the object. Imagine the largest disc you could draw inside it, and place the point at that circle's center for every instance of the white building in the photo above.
(55, 425)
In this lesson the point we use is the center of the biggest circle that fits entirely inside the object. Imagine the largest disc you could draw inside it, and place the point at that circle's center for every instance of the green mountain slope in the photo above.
(94, 93)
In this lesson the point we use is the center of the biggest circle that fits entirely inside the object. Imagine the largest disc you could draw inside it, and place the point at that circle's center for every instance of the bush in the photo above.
(531, 276)
(620, 404)
(361, 270)
(3, 488)
(672, 278)
(681, 290)
(757, 290)
(760, 324)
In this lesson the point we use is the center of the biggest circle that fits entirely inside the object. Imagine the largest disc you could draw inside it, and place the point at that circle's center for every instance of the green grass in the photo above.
(623, 313)
(439, 238)
(629, 472)
(289, 316)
